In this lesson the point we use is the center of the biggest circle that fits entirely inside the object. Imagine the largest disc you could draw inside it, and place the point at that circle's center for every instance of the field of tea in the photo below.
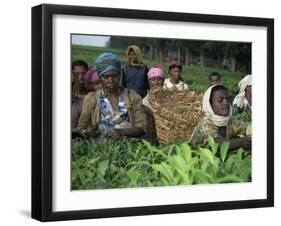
(137, 163)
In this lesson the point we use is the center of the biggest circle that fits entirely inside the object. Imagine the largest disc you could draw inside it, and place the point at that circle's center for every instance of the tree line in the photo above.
(233, 56)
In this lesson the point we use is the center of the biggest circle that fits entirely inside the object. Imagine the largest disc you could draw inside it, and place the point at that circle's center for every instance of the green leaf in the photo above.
(201, 177)
(207, 154)
(214, 146)
(164, 169)
(178, 162)
(240, 153)
(186, 150)
(102, 167)
(229, 179)
(178, 150)
(182, 168)
(249, 130)
(224, 149)
(152, 149)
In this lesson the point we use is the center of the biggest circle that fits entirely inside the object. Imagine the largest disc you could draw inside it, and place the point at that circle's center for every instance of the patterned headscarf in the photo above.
(106, 62)
(137, 51)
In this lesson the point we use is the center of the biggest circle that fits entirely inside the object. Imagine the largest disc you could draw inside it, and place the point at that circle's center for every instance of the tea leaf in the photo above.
(102, 167)
(214, 146)
(224, 149)
(249, 130)
(207, 154)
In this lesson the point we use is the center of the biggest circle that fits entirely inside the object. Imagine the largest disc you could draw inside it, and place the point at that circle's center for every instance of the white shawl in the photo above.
(216, 119)
(240, 101)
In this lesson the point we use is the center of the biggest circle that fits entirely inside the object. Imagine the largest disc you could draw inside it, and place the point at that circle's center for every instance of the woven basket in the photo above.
(176, 114)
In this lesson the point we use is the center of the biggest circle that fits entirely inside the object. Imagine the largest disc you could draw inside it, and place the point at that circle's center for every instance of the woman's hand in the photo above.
(246, 142)
(129, 132)
(243, 142)
(89, 132)
(115, 134)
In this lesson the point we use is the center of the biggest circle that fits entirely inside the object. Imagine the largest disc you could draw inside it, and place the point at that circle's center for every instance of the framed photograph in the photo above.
(145, 112)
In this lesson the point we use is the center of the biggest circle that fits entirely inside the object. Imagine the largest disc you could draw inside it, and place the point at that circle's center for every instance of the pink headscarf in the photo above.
(155, 71)
(91, 75)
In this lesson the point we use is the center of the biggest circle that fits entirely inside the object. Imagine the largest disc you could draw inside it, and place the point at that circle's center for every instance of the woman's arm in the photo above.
(235, 143)
(84, 124)
(129, 132)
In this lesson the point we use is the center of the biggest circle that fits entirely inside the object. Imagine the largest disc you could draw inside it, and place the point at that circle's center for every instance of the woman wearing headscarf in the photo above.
(217, 121)
(92, 80)
(156, 79)
(243, 100)
(112, 111)
(92, 83)
(134, 74)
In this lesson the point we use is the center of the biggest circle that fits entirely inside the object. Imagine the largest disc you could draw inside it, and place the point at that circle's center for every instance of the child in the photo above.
(134, 74)
(175, 80)
(214, 78)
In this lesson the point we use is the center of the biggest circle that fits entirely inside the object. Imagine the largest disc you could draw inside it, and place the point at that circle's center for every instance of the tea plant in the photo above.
(137, 163)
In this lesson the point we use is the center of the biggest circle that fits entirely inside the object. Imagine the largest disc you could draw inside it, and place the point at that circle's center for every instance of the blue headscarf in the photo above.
(106, 62)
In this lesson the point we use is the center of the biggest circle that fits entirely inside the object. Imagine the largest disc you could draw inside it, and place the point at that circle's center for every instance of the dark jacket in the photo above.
(135, 78)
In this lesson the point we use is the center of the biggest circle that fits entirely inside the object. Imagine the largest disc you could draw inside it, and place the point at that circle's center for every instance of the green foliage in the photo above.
(243, 116)
(137, 163)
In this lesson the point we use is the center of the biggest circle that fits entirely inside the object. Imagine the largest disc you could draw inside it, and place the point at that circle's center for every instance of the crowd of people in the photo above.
(110, 101)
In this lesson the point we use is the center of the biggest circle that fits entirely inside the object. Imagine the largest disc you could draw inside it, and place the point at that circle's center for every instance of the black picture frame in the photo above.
(42, 86)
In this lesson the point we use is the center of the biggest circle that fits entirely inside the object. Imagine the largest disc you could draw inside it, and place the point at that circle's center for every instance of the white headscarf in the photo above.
(240, 100)
(216, 119)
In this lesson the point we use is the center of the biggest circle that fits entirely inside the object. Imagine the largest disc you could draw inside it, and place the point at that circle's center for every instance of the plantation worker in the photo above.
(92, 80)
(113, 111)
(217, 121)
(214, 79)
(243, 100)
(156, 79)
(175, 80)
(79, 69)
(134, 74)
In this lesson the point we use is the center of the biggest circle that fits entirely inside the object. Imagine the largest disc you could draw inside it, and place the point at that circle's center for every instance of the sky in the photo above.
(90, 40)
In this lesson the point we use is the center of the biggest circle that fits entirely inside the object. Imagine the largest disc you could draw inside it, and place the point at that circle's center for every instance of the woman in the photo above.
(111, 112)
(156, 79)
(243, 100)
(92, 80)
(218, 123)
(134, 74)
(79, 69)
(175, 80)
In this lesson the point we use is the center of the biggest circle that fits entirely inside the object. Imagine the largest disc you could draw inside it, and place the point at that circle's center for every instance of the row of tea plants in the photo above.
(137, 163)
